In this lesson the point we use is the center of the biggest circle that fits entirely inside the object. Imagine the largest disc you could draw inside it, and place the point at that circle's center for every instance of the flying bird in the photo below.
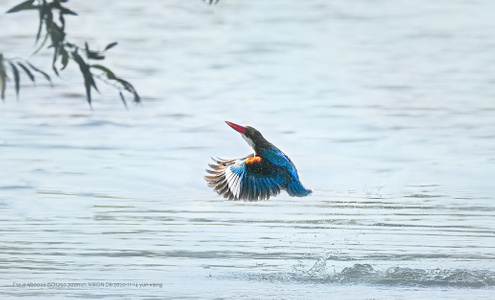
(257, 176)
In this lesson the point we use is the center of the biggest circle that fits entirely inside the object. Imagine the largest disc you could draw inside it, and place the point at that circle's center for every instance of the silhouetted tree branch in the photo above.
(52, 28)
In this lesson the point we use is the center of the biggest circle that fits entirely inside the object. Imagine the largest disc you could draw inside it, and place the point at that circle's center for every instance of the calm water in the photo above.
(386, 107)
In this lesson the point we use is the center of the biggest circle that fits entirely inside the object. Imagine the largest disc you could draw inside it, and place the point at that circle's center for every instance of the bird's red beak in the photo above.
(238, 128)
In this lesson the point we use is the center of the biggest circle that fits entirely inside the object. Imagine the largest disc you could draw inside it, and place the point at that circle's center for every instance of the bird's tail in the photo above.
(295, 188)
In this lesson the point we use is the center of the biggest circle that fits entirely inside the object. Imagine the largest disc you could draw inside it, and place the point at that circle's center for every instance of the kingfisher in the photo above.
(257, 176)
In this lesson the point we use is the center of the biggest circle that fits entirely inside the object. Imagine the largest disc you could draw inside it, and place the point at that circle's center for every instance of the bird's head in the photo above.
(252, 136)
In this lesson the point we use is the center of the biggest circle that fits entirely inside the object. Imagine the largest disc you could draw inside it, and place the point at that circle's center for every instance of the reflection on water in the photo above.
(385, 108)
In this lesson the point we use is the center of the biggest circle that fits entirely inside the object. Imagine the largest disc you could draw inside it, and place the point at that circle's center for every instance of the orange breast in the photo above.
(253, 159)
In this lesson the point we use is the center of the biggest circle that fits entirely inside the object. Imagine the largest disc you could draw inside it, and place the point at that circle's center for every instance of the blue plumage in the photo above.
(257, 176)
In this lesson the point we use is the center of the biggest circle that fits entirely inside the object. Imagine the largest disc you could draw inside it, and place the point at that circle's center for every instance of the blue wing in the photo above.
(249, 178)
(277, 157)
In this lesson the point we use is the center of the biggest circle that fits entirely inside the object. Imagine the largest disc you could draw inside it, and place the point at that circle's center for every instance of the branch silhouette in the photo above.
(51, 30)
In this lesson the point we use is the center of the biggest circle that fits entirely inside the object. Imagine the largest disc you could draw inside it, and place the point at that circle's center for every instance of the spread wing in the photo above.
(250, 178)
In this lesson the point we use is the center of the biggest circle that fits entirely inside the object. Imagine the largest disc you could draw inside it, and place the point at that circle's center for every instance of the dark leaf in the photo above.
(55, 56)
(110, 74)
(22, 6)
(84, 70)
(2, 86)
(57, 34)
(41, 45)
(65, 57)
(82, 64)
(42, 17)
(63, 10)
(3, 77)
(41, 72)
(125, 84)
(88, 76)
(93, 54)
(17, 79)
(48, 18)
(61, 19)
(128, 87)
(27, 71)
(67, 11)
(111, 45)
(55, 70)
(137, 99)
(123, 99)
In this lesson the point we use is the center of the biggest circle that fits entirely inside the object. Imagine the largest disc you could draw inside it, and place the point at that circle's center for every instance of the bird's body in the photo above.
(257, 176)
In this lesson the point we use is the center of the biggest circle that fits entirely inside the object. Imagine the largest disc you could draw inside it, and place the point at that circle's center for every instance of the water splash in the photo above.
(392, 276)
